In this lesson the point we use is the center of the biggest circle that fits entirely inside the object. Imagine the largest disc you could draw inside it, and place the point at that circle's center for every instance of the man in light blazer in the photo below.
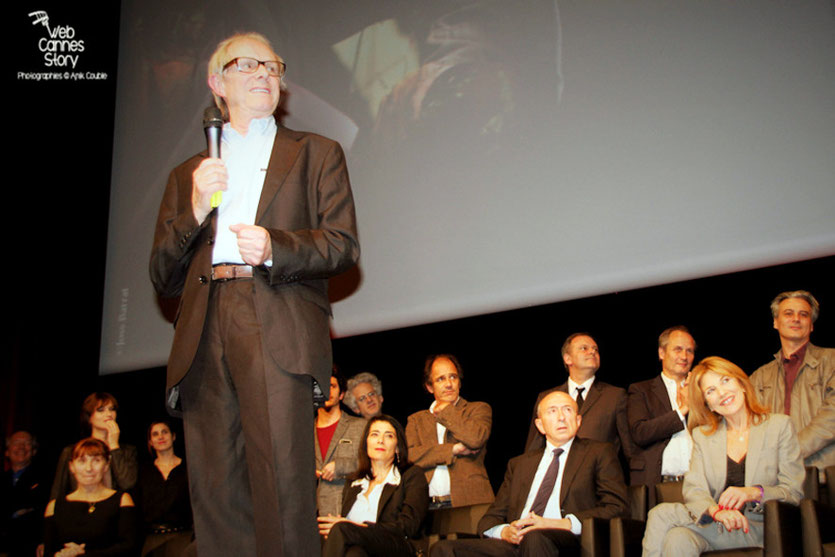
(448, 441)
(800, 380)
(742, 457)
(252, 330)
(602, 406)
(547, 493)
(772, 462)
(339, 434)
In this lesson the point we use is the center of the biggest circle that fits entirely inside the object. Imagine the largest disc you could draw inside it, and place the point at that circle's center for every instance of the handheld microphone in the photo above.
(212, 125)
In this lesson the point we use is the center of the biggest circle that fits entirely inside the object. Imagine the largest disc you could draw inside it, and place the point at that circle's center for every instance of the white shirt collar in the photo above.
(257, 126)
(393, 478)
(572, 387)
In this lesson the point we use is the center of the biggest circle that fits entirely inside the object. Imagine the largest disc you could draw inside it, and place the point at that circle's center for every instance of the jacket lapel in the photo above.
(572, 463)
(719, 451)
(350, 498)
(756, 442)
(591, 397)
(284, 154)
(526, 473)
(388, 491)
(659, 390)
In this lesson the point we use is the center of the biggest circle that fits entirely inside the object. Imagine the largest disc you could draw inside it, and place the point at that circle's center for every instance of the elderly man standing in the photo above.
(251, 271)
(800, 380)
(657, 410)
(364, 395)
(448, 440)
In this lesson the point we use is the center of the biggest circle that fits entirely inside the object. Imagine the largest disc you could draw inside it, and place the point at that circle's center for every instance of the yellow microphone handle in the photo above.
(216, 199)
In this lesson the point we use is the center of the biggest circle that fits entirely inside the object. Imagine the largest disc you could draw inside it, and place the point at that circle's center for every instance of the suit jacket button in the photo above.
(202, 279)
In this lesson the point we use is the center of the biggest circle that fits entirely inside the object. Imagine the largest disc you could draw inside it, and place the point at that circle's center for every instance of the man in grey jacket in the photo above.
(337, 440)
(800, 381)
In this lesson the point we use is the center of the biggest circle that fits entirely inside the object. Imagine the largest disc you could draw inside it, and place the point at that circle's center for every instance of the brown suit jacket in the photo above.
(401, 508)
(466, 422)
(604, 418)
(652, 421)
(592, 485)
(307, 207)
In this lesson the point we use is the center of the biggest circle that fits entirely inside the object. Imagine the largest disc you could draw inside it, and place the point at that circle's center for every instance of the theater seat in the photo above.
(818, 523)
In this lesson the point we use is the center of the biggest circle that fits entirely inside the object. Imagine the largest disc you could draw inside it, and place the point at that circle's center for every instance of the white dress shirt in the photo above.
(365, 508)
(247, 158)
(440, 484)
(675, 460)
(572, 387)
(552, 509)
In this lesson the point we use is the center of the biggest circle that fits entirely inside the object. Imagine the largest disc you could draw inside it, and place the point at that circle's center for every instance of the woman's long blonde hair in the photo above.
(700, 414)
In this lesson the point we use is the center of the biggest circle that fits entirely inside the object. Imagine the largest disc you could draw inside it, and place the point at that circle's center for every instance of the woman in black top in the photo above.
(163, 495)
(93, 520)
(385, 504)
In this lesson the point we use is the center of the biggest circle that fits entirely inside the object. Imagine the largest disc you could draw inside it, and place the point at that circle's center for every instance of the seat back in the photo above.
(462, 520)
(638, 495)
(829, 474)
(811, 484)
(669, 492)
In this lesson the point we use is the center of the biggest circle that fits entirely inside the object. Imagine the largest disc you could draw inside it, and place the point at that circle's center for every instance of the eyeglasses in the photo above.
(369, 396)
(243, 64)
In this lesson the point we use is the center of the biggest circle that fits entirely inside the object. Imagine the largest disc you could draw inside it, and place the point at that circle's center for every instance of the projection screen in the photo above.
(502, 153)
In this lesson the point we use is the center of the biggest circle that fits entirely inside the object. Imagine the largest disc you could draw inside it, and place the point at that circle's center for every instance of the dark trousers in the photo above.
(538, 543)
(351, 540)
(249, 439)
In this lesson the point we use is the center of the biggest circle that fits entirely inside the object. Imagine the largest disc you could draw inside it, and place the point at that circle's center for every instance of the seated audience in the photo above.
(337, 443)
(657, 410)
(93, 519)
(385, 504)
(448, 440)
(98, 420)
(800, 380)
(23, 496)
(163, 496)
(364, 395)
(734, 439)
(546, 493)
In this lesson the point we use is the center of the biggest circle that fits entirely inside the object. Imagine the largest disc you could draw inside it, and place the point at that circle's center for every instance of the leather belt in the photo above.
(227, 271)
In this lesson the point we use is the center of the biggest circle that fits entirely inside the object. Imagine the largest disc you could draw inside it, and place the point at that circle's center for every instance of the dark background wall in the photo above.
(57, 184)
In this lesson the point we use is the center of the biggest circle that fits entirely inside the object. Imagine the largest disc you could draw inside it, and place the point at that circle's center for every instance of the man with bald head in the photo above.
(657, 411)
(547, 493)
(602, 406)
(248, 241)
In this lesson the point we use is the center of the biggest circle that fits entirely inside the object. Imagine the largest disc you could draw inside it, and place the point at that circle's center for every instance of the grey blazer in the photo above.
(773, 462)
(343, 451)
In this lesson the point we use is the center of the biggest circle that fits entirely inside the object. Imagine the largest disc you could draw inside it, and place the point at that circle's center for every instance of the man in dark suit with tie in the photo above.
(252, 331)
(602, 406)
(548, 492)
(657, 412)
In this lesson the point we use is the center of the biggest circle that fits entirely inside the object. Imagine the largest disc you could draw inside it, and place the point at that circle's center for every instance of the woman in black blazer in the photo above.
(385, 503)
